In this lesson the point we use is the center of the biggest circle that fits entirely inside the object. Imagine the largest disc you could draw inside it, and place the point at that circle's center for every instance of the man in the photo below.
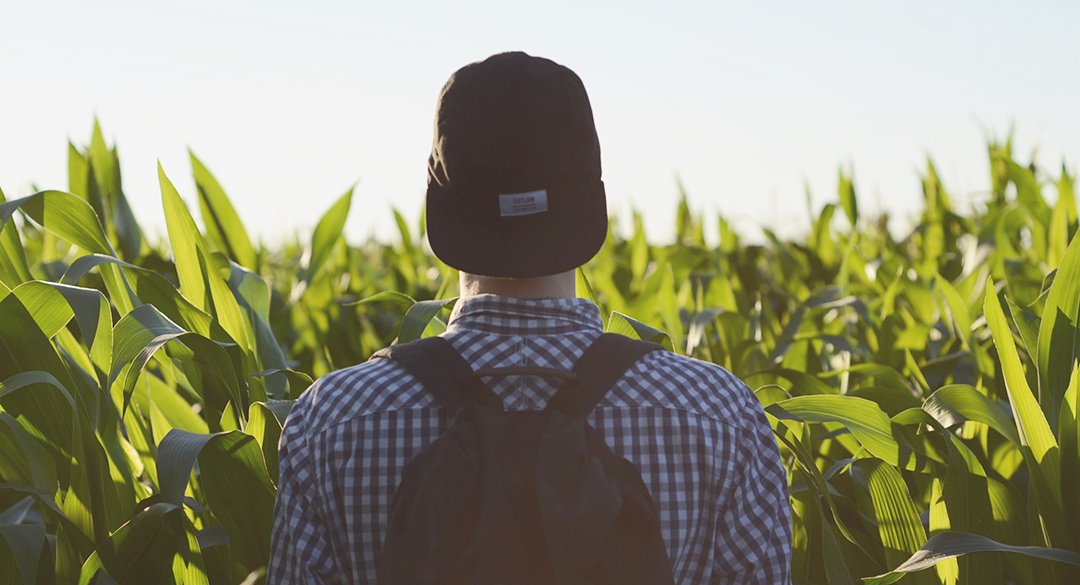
(515, 201)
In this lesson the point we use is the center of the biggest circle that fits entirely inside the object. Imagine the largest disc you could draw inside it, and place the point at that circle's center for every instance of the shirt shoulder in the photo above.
(664, 379)
(661, 379)
(352, 392)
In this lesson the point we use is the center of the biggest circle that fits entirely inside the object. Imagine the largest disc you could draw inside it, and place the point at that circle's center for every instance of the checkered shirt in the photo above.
(696, 432)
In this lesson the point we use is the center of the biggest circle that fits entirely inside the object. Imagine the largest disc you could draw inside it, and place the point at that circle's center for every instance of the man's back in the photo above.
(696, 433)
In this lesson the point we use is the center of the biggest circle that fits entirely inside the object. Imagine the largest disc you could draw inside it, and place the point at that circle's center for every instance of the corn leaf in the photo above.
(1059, 332)
(955, 403)
(947, 545)
(866, 421)
(326, 235)
(1036, 439)
(184, 237)
(897, 517)
(233, 476)
(141, 551)
(634, 329)
(26, 542)
(419, 316)
(223, 224)
(1069, 434)
(142, 332)
(53, 305)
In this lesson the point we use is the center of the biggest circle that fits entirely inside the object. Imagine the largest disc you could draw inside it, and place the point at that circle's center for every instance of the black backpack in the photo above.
(521, 498)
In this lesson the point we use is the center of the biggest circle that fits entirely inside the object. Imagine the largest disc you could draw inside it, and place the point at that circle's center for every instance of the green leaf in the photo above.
(1029, 193)
(27, 359)
(800, 382)
(639, 251)
(385, 296)
(965, 496)
(234, 479)
(697, 335)
(828, 298)
(897, 517)
(184, 237)
(26, 543)
(17, 512)
(960, 311)
(865, 419)
(79, 174)
(804, 461)
(52, 305)
(956, 402)
(1027, 323)
(1067, 193)
(198, 271)
(139, 552)
(947, 545)
(668, 306)
(264, 425)
(1059, 332)
(298, 381)
(176, 458)
(127, 227)
(223, 225)
(847, 198)
(1069, 434)
(630, 327)
(253, 296)
(13, 266)
(403, 230)
(326, 235)
(24, 460)
(150, 288)
(145, 330)
(583, 287)
(1037, 441)
(1059, 231)
(68, 216)
(29, 364)
(23, 380)
(836, 571)
(101, 160)
(418, 316)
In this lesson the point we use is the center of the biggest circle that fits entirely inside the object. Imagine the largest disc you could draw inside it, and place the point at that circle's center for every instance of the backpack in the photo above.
(521, 498)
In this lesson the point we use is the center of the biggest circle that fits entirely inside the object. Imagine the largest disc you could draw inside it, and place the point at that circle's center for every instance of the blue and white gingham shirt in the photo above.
(696, 432)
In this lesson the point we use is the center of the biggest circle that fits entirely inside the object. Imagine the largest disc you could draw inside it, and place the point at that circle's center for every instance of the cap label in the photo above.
(523, 203)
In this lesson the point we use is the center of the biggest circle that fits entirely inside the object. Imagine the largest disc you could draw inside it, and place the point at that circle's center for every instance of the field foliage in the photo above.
(922, 389)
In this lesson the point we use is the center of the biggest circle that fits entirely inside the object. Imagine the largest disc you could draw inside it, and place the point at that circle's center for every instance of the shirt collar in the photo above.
(517, 316)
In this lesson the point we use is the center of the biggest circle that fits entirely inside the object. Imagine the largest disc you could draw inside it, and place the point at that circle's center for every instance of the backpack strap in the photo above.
(602, 364)
(442, 371)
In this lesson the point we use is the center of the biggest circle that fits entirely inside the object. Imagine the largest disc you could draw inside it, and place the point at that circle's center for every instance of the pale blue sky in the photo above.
(288, 103)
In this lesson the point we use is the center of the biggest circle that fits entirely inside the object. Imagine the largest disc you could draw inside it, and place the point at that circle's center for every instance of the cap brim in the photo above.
(566, 236)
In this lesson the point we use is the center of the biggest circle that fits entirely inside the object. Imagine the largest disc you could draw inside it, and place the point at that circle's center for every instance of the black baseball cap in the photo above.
(514, 180)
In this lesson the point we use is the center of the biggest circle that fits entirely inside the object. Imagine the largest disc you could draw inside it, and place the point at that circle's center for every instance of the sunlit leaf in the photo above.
(223, 224)
(1059, 332)
(326, 235)
(952, 544)
(1034, 431)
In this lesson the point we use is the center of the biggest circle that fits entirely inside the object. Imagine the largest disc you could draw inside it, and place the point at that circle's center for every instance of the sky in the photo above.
(748, 103)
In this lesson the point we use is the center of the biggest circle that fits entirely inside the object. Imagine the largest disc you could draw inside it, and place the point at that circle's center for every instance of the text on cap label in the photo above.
(523, 203)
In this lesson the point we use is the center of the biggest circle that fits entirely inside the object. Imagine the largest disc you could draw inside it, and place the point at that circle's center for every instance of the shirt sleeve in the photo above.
(300, 549)
(753, 545)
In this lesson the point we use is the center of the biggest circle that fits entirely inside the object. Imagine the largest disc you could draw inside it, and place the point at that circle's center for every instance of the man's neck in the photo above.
(555, 285)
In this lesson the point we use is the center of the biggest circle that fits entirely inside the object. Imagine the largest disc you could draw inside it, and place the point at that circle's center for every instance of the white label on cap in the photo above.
(523, 203)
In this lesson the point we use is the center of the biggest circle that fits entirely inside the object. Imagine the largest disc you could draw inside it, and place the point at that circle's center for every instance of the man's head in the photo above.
(514, 181)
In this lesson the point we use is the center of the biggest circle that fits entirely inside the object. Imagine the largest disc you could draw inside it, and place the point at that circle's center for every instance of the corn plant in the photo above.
(922, 388)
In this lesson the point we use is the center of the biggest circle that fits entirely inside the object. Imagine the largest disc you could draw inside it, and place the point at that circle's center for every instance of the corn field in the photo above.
(923, 390)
